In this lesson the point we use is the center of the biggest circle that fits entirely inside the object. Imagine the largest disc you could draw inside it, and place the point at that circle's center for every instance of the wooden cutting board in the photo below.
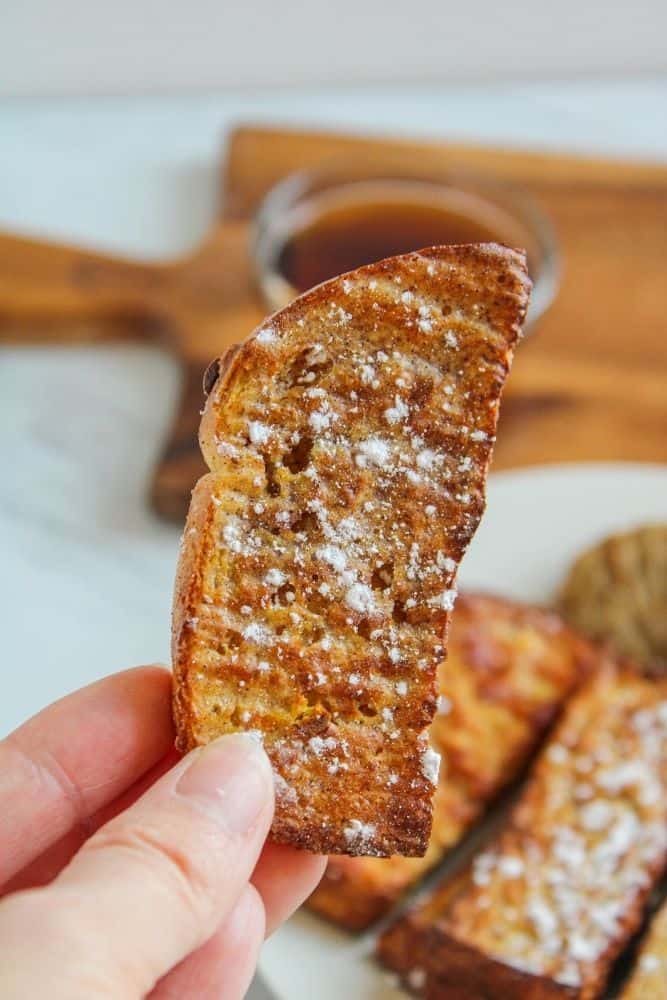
(588, 384)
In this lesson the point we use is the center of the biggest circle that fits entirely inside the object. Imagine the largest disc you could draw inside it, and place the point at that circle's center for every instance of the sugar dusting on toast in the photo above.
(550, 904)
(348, 442)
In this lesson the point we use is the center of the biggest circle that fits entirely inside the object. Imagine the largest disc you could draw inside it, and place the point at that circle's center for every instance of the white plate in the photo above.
(536, 522)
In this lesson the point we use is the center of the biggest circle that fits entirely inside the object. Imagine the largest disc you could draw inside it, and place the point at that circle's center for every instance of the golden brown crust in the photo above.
(348, 442)
(417, 951)
(355, 892)
(509, 668)
(188, 589)
(547, 908)
(648, 980)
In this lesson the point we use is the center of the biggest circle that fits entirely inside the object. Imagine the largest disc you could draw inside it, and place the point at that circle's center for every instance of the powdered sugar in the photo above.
(373, 451)
(232, 535)
(431, 765)
(266, 336)
(258, 432)
(425, 321)
(444, 600)
(596, 815)
(428, 458)
(359, 597)
(332, 555)
(283, 790)
(445, 562)
(359, 835)
(398, 412)
(260, 634)
(319, 745)
(511, 866)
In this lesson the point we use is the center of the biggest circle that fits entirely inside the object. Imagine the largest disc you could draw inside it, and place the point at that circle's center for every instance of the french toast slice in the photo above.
(544, 911)
(648, 981)
(509, 668)
(348, 441)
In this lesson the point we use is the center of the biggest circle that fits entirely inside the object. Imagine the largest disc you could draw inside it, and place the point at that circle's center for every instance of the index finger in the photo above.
(76, 756)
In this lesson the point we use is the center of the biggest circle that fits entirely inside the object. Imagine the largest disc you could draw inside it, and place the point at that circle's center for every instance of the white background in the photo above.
(136, 46)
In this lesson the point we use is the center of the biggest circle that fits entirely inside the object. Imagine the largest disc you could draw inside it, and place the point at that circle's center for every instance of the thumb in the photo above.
(153, 884)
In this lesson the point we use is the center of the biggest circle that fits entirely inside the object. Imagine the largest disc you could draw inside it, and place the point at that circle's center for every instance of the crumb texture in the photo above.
(348, 442)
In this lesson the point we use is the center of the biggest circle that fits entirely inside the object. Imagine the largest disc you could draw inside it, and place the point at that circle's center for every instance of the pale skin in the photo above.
(126, 871)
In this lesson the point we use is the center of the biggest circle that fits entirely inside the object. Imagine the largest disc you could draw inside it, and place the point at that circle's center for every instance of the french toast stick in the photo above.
(544, 911)
(348, 441)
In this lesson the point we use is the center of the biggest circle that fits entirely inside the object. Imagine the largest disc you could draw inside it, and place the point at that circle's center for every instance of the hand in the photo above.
(126, 871)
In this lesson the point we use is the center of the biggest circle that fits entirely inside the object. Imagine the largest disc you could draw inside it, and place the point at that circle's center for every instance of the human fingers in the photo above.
(152, 885)
(284, 878)
(44, 869)
(223, 967)
(76, 756)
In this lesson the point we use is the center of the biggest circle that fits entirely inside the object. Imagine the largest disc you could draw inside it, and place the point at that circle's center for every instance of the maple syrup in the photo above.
(359, 223)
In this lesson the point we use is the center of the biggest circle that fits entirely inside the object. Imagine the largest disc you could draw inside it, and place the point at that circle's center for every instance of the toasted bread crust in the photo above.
(548, 907)
(318, 565)
(648, 980)
(416, 951)
(510, 666)
(355, 892)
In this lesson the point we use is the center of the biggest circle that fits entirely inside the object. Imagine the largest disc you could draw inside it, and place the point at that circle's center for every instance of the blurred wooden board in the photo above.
(588, 384)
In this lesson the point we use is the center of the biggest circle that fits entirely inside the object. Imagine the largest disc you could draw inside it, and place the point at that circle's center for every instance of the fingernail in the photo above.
(232, 779)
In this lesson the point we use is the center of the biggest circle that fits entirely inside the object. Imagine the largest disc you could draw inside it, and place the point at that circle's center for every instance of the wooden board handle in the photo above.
(52, 282)
(181, 463)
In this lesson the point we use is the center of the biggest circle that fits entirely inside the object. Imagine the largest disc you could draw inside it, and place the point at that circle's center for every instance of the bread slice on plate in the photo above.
(509, 668)
(548, 906)
(348, 441)
(648, 981)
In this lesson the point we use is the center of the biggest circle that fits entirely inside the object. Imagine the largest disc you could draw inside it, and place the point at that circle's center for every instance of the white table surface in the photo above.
(86, 570)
